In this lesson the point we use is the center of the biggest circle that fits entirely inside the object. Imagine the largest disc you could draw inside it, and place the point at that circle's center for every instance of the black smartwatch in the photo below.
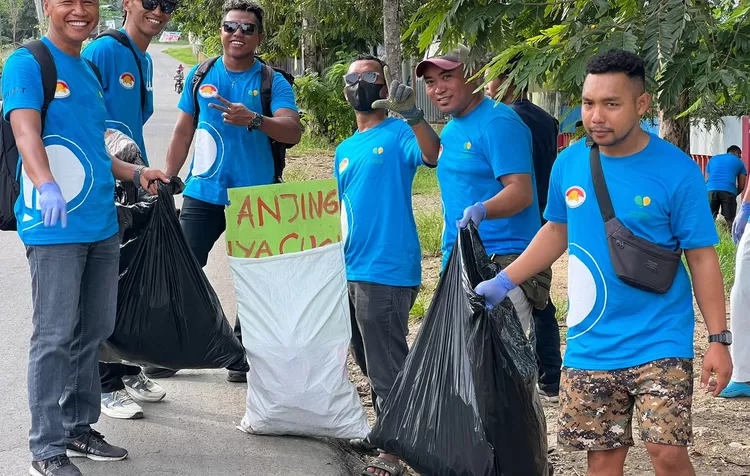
(723, 338)
(255, 123)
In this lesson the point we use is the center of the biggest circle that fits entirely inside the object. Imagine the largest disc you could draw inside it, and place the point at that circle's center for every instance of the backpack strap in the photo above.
(124, 41)
(96, 71)
(266, 89)
(42, 55)
(198, 76)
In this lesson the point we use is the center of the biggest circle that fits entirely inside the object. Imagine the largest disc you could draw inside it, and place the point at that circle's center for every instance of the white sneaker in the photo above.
(142, 388)
(119, 404)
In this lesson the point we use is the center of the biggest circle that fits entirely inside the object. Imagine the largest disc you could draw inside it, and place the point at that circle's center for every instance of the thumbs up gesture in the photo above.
(401, 100)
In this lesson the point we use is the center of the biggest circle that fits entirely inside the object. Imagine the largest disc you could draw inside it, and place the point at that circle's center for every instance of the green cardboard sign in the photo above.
(271, 220)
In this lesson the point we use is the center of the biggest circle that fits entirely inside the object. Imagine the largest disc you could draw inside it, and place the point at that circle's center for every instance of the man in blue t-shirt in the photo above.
(127, 112)
(67, 220)
(627, 347)
(486, 172)
(382, 252)
(726, 176)
(544, 129)
(232, 147)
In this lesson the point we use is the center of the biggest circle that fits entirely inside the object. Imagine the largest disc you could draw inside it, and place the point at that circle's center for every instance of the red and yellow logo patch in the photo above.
(127, 80)
(208, 91)
(62, 90)
(575, 196)
(343, 165)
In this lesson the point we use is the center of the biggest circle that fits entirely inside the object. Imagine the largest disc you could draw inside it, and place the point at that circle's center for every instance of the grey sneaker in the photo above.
(91, 445)
(58, 465)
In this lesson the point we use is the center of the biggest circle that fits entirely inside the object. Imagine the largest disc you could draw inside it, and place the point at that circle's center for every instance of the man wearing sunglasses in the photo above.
(127, 78)
(232, 147)
(383, 257)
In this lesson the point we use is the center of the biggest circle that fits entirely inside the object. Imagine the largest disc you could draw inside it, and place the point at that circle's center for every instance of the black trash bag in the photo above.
(168, 315)
(465, 403)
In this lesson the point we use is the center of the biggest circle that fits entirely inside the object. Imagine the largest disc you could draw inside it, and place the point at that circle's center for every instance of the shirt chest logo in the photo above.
(127, 80)
(575, 196)
(62, 90)
(343, 165)
(208, 91)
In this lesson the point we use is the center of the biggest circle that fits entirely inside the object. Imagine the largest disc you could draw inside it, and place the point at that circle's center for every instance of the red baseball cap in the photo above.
(446, 61)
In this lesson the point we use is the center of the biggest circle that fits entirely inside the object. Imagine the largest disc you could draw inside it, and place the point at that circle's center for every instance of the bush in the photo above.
(321, 98)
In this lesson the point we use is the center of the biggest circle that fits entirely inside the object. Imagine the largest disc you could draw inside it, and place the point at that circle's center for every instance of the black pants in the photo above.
(549, 359)
(203, 223)
(111, 375)
(380, 324)
(727, 201)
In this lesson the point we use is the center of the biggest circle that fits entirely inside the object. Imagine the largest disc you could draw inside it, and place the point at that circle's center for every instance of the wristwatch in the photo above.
(723, 338)
(137, 177)
(255, 123)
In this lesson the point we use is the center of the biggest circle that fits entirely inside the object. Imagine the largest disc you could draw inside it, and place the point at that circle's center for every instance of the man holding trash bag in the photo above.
(232, 146)
(486, 171)
(127, 76)
(383, 262)
(630, 325)
(67, 220)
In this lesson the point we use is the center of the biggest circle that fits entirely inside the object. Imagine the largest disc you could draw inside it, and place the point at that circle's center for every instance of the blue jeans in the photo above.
(74, 289)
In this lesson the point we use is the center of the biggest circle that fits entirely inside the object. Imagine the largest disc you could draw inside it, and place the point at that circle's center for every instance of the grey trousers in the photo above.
(74, 289)
(380, 324)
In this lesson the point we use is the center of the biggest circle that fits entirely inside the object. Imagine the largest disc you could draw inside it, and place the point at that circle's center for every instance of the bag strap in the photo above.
(600, 185)
(124, 41)
(96, 71)
(198, 76)
(42, 55)
(266, 89)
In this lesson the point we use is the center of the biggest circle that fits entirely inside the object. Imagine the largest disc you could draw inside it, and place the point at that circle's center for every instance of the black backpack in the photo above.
(278, 149)
(10, 168)
(124, 41)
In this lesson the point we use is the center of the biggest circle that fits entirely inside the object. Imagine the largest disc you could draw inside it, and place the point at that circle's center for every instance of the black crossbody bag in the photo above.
(637, 262)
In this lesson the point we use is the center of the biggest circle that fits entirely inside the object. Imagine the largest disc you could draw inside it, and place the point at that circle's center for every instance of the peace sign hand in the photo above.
(401, 99)
(235, 114)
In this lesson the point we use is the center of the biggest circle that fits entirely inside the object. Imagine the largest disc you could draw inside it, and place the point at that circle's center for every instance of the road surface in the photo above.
(193, 431)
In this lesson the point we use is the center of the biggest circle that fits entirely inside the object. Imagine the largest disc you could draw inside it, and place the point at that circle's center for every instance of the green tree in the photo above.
(697, 52)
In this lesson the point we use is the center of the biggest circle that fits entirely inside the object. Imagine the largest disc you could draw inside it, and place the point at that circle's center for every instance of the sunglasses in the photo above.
(167, 6)
(247, 28)
(368, 76)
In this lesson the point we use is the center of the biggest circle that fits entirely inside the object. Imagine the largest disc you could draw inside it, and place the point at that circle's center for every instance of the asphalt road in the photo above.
(193, 431)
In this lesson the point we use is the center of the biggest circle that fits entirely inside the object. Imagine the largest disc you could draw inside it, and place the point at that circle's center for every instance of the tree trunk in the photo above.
(677, 131)
(310, 53)
(392, 36)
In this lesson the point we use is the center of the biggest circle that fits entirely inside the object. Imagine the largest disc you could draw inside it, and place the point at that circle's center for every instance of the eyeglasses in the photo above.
(368, 76)
(247, 28)
(167, 6)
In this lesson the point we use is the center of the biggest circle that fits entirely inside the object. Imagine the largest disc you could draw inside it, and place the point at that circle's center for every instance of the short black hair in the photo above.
(246, 6)
(619, 61)
(369, 57)
(734, 149)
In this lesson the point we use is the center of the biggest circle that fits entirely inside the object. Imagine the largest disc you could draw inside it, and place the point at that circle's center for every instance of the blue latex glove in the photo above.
(496, 289)
(475, 213)
(740, 222)
(52, 204)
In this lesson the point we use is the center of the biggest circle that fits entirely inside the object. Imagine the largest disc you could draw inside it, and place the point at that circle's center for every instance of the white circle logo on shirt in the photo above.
(206, 152)
(69, 174)
(127, 80)
(62, 90)
(575, 196)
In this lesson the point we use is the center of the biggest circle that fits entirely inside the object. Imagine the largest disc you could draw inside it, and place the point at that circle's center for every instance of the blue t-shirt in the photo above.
(659, 195)
(476, 151)
(122, 86)
(228, 156)
(723, 171)
(375, 170)
(73, 136)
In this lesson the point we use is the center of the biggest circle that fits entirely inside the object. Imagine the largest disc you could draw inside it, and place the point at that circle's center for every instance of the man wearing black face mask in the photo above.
(375, 168)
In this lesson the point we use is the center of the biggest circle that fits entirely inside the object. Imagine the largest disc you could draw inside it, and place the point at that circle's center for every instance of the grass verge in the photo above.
(425, 182)
(182, 54)
(430, 231)
(313, 145)
(727, 252)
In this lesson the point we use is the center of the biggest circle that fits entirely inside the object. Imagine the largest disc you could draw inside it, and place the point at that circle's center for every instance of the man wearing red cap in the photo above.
(486, 172)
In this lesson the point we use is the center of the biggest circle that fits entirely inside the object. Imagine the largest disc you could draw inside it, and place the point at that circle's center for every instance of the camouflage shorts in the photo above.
(596, 407)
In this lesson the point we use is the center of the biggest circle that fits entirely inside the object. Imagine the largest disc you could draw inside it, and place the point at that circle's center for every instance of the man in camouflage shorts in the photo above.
(628, 349)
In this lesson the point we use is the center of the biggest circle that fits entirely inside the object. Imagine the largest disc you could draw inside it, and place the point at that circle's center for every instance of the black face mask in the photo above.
(361, 95)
